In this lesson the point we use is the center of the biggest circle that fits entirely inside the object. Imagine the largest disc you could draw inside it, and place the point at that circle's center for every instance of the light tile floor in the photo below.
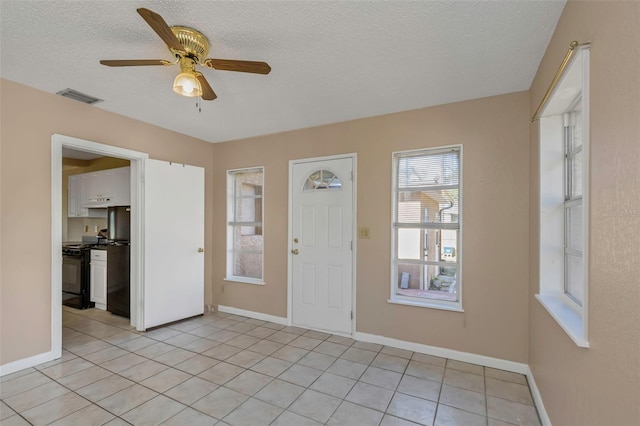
(230, 370)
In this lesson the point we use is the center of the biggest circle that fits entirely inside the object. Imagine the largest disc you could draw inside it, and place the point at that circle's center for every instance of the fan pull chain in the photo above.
(199, 104)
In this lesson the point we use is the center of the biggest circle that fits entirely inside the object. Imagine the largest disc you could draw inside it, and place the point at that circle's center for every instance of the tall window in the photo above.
(426, 227)
(245, 225)
(563, 200)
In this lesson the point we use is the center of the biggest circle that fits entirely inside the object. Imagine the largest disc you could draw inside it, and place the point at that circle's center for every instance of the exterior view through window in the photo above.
(244, 231)
(426, 226)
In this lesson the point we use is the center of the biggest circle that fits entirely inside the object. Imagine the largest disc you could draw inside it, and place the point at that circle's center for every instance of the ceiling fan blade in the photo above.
(134, 62)
(241, 66)
(207, 92)
(161, 28)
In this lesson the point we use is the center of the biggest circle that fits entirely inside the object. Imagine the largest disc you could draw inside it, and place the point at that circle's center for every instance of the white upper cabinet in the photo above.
(91, 193)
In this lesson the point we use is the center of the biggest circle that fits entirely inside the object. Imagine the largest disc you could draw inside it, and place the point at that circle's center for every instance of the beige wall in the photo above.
(496, 220)
(29, 117)
(599, 385)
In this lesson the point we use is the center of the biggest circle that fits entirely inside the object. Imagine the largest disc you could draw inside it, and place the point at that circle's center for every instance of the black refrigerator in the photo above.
(118, 260)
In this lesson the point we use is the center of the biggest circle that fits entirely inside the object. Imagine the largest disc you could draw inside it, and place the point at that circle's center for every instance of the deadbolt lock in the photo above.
(200, 250)
(295, 240)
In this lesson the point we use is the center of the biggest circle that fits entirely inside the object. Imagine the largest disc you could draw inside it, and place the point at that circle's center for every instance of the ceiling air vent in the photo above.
(75, 95)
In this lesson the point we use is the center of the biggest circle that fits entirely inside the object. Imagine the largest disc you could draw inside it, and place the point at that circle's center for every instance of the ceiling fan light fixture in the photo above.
(186, 84)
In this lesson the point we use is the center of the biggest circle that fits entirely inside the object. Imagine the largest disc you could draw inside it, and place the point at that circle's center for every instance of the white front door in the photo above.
(174, 242)
(321, 246)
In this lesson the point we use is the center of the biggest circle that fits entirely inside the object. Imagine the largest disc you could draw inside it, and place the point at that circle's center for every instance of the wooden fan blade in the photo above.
(134, 62)
(207, 92)
(241, 66)
(161, 28)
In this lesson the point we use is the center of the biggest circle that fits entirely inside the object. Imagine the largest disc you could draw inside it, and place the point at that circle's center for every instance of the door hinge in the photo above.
(352, 176)
(351, 245)
(351, 314)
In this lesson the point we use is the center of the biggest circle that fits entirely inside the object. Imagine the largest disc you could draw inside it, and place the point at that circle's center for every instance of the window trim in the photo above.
(447, 305)
(229, 276)
(563, 308)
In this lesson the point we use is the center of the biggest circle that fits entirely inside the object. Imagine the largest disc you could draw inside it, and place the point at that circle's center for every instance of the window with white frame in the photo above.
(563, 202)
(245, 225)
(426, 235)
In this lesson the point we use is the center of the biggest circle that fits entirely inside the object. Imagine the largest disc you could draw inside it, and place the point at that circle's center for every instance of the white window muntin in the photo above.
(232, 225)
(457, 226)
(570, 313)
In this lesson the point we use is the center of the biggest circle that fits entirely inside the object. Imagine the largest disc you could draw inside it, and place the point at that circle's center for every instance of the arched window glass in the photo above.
(322, 179)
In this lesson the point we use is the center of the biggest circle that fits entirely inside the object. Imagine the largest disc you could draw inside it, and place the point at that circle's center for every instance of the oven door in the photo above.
(72, 280)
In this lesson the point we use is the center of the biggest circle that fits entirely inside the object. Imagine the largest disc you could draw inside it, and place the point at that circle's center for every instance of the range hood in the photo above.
(98, 203)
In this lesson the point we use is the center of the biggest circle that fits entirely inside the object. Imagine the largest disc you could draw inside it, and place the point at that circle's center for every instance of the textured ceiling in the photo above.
(332, 61)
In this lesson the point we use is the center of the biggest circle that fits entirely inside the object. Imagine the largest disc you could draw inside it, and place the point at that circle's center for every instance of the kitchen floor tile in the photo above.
(346, 368)
(333, 385)
(508, 390)
(221, 373)
(288, 418)
(449, 416)
(190, 417)
(300, 375)
(23, 383)
(154, 411)
(249, 382)
(165, 380)
(317, 360)
(280, 393)
(315, 405)
(55, 409)
(254, 413)
(465, 366)
(197, 364)
(413, 409)
(104, 388)
(414, 386)
(91, 414)
(464, 399)
(290, 353)
(191, 390)
(220, 402)
(97, 363)
(460, 379)
(384, 378)
(425, 371)
(15, 420)
(127, 399)
(370, 396)
(271, 366)
(33, 397)
(352, 414)
(512, 412)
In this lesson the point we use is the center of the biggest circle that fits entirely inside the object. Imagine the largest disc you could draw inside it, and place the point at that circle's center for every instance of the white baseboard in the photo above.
(252, 314)
(502, 364)
(537, 398)
(28, 362)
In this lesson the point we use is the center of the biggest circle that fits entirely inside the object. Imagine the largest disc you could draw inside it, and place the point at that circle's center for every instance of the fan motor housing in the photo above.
(195, 44)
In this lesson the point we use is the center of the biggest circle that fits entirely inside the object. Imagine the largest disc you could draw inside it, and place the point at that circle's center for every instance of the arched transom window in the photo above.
(322, 179)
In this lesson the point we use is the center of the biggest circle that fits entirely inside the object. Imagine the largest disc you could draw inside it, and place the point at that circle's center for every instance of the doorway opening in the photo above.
(136, 159)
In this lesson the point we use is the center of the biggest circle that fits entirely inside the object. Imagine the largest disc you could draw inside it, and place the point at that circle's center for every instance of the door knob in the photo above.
(295, 251)
(200, 250)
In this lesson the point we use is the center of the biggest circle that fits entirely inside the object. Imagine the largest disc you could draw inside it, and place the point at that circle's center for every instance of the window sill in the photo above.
(570, 321)
(244, 280)
(453, 308)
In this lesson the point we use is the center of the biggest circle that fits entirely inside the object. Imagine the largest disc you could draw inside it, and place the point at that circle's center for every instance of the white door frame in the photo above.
(137, 229)
(354, 158)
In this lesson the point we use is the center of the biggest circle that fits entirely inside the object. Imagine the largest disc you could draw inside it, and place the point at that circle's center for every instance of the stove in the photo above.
(75, 275)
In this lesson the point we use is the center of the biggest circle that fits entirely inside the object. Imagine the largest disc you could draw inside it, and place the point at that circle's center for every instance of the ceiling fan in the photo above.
(190, 47)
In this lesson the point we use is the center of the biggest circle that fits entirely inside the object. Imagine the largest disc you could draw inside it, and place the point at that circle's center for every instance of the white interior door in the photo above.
(321, 246)
(174, 238)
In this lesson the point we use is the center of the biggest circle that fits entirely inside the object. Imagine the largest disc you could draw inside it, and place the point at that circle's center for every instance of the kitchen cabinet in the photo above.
(90, 193)
(98, 278)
